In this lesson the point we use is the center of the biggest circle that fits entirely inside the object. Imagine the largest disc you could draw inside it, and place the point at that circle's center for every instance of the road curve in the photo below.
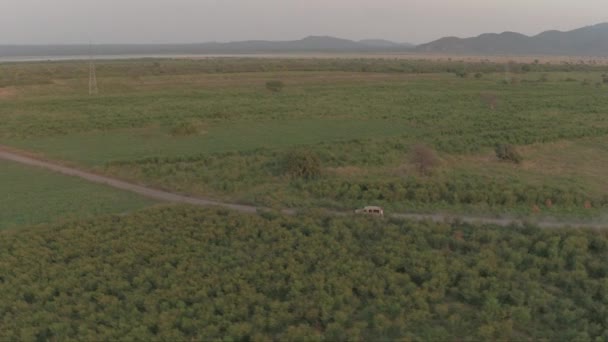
(21, 157)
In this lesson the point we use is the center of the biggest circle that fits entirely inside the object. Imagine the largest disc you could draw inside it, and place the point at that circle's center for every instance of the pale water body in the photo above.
(403, 55)
(102, 57)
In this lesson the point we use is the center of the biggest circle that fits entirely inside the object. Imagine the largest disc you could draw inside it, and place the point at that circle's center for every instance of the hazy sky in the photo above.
(160, 21)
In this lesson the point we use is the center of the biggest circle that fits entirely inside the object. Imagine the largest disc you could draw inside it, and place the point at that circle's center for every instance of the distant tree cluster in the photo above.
(187, 274)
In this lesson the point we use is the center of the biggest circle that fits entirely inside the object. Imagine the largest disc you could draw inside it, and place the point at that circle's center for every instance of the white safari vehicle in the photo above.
(376, 211)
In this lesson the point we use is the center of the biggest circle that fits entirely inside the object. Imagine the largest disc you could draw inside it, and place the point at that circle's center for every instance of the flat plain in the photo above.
(211, 127)
(414, 136)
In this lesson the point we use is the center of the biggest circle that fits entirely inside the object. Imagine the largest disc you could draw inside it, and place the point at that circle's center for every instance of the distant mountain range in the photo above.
(309, 44)
(586, 41)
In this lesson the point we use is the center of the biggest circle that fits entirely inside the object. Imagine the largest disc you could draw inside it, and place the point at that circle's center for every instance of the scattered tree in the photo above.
(424, 158)
(508, 152)
(186, 128)
(303, 164)
(461, 73)
(275, 86)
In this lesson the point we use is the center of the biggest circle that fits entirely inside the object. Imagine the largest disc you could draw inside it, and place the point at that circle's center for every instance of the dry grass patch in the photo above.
(583, 161)
(7, 93)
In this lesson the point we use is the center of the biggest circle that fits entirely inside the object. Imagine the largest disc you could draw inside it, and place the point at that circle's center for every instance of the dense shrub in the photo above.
(187, 274)
(507, 152)
(186, 128)
(304, 164)
(461, 73)
(462, 190)
(424, 159)
(275, 86)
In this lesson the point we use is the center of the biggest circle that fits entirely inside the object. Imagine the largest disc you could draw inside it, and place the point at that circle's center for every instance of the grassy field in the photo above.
(32, 196)
(360, 117)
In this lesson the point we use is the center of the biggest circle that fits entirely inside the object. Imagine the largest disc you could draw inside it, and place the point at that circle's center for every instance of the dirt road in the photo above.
(9, 154)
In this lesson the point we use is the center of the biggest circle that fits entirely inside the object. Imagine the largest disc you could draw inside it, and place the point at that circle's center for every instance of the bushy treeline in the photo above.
(454, 190)
(185, 273)
(12, 74)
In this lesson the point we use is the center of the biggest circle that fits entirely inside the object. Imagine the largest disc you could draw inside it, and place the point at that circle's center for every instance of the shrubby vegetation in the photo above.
(302, 164)
(186, 128)
(190, 274)
(508, 152)
(252, 176)
(275, 86)
(360, 126)
(424, 159)
(455, 190)
(12, 74)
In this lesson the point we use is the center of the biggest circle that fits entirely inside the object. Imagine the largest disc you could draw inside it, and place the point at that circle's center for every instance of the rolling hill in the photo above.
(308, 44)
(586, 41)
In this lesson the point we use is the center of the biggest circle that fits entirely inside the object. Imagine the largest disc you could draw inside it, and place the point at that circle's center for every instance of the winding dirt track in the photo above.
(9, 154)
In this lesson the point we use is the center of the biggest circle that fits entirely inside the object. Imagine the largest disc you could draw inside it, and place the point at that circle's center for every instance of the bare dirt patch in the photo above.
(7, 93)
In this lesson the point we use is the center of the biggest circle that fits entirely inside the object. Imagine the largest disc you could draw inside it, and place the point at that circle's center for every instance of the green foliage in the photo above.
(471, 190)
(187, 128)
(275, 86)
(304, 164)
(461, 73)
(508, 152)
(424, 159)
(184, 273)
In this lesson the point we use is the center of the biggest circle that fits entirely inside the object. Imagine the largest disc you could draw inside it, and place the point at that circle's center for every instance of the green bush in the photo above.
(186, 128)
(302, 164)
(461, 73)
(275, 86)
(508, 152)
(424, 158)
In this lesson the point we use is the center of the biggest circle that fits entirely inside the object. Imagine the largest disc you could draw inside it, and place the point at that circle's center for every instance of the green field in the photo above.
(33, 196)
(361, 117)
